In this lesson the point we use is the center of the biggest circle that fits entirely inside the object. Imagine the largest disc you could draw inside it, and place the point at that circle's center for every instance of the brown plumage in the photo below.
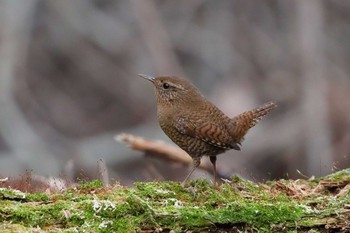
(195, 124)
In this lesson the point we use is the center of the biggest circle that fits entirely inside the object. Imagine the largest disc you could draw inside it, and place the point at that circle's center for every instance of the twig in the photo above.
(159, 149)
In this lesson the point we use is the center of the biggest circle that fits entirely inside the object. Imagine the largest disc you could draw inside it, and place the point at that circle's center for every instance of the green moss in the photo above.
(13, 228)
(37, 197)
(340, 175)
(11, 194)
(167, 205)
(202, 205)
(33, 214)
(95, 184)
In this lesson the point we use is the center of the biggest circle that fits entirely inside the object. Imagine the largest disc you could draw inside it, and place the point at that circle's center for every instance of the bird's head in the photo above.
(172, 90)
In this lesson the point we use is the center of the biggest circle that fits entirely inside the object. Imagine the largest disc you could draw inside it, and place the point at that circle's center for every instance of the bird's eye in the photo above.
(166, 86)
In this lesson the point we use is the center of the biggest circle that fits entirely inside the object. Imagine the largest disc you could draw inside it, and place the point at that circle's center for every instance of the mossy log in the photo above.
(315, 205)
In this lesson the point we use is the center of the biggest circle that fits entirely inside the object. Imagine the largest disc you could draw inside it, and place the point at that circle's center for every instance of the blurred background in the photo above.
(68, 83)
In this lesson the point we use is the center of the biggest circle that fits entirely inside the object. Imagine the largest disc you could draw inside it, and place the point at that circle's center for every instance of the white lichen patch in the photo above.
(12, 193)
(104, 224)
(99, 205)
(308, 209)
(162, 191)
(173, 202)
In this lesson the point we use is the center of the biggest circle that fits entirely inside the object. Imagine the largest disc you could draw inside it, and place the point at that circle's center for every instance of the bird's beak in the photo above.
(147, 77)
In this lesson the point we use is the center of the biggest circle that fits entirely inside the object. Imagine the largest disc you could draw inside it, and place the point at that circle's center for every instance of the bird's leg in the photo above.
(213, 161)
(196, 163)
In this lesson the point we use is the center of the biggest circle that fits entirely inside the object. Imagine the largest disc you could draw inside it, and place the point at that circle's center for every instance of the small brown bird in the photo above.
(196, 125)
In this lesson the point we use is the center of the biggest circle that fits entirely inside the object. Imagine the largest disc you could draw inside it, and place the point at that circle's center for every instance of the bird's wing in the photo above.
(207, 131)
(243, 122)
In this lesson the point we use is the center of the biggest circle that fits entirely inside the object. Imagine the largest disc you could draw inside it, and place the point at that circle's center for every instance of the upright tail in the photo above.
(244, 121)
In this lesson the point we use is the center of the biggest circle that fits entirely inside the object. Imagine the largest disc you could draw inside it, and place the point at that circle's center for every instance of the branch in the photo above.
(159, 149)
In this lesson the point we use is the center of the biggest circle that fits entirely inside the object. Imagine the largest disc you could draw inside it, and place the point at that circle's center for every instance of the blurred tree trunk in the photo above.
(156, 38)
(23, 141)
(317, 134)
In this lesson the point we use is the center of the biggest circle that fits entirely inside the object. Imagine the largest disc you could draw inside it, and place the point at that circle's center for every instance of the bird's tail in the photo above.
(243, 122)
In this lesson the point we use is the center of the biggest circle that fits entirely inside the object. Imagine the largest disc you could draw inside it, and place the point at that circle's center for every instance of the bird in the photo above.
(195, 124)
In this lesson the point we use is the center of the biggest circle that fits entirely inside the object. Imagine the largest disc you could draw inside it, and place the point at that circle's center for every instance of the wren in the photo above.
(195, 124)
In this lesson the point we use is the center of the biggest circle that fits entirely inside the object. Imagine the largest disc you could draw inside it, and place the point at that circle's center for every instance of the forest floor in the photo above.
(313, 205)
